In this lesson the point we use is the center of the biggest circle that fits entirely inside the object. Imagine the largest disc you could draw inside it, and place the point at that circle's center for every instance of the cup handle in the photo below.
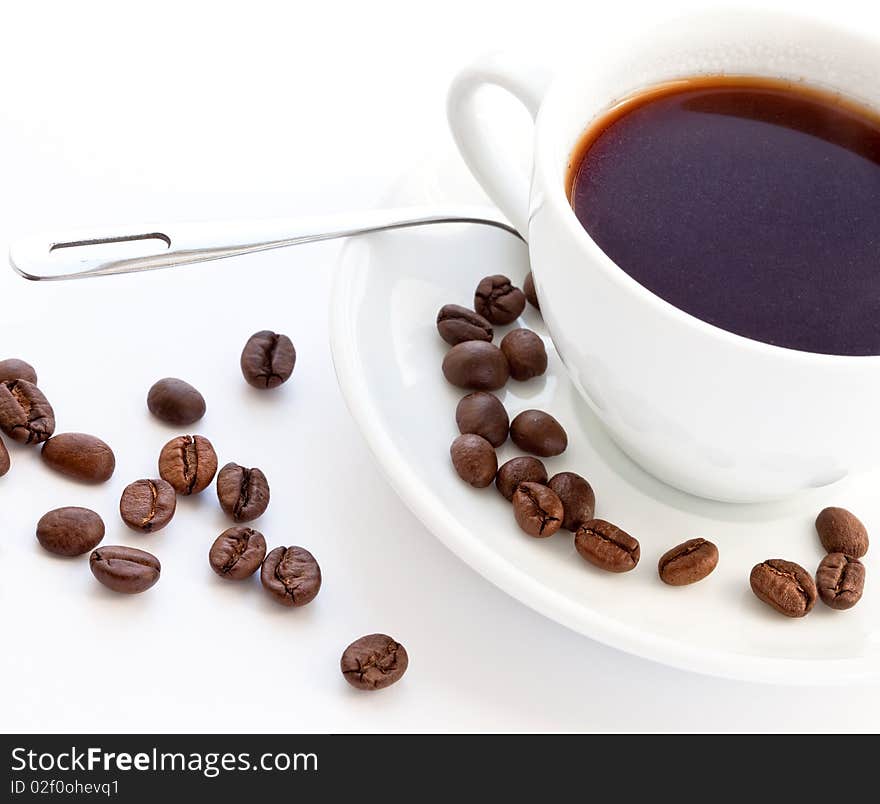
(498, 173)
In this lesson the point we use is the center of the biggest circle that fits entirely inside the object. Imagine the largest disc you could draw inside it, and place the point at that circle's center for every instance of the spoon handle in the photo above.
(67, 255)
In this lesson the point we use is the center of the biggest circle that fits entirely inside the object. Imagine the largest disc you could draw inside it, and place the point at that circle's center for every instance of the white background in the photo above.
(176, 111)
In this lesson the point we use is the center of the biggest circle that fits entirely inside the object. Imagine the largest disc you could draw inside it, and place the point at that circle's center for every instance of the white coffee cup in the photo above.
(707, 411)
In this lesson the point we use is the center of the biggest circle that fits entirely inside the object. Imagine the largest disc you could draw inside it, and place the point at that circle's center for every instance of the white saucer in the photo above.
(387, 354)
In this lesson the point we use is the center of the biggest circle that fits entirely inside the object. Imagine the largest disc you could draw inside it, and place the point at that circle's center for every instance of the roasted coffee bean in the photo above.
(529, 291)
(267, 359)
(785, 586)
(688, 562)
(237, 553)
(483, 414)
(291, 575)
(457, 324)
(125, 569)
(373, 662)
(14, 369)
(188, 463)
(842, 532)
(175, 401)
(70, 531)
(578, 499)
(5, 462)
(477, 365)
(80, 456)
(537, 509)
(524, 469)
(148, 505)
(539, 433)
(607, 546)
(840, 581)
(25, 414)
(474, 459)
(497, 300)
(525, 353)
(243, 493)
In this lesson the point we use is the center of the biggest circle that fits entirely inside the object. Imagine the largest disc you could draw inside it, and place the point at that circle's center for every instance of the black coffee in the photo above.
(749, 203)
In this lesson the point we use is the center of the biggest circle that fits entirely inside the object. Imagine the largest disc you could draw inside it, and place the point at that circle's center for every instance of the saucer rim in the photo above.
(415, 494)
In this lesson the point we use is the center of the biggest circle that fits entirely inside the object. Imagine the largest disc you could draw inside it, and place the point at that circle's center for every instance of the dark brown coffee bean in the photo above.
(476, 364)
(291, 575)
(267, 359)
(607, 546)
(80, 456)
(14, 369)
(474, 459)
(537, 509)
(175, 401)
(125, 569)
(525, 354)
(842, 532)
(785, 586)
(539, 433)
(188, 463)
(237, 553)
(578, 499)
(70, 531)
(5, 461)
(497, 300)
(840, 581)
(524, 469)
(25, 414)
(243, 493)
(529, 291)
(373, 662)
(148, 505)
(688, 562)
(483, 414)
(457, 324)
